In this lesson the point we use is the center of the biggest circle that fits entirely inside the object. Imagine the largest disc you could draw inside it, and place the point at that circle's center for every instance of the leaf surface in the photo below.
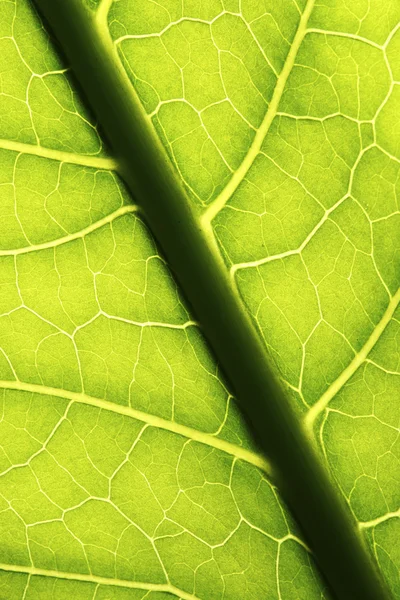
(281, 123)
(127, 471)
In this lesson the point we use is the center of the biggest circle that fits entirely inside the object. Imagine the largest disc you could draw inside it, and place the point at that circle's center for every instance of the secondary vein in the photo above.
(193, 434)
(214, 208)
(357, 361)
(123, 210)
(96, 162)
(379, 520)
(136, 585)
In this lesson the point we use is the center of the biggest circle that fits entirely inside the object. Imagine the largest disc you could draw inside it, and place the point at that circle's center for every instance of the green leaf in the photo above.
(126, 467)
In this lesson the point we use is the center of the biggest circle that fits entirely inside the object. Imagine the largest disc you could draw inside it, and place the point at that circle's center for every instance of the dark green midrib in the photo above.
(304, 483)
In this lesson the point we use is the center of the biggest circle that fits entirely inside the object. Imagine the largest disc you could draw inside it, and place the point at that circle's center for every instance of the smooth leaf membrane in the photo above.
(126, 469)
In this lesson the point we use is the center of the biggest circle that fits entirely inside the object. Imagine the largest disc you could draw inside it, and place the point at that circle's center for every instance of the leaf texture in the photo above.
(282, 125)
(126, 470)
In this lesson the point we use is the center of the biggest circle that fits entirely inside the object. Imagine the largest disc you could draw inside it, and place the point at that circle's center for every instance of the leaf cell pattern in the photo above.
(282, 120)
(125, 469)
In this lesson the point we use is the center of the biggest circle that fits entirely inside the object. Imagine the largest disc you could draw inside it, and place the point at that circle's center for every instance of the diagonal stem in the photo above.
(192, 253)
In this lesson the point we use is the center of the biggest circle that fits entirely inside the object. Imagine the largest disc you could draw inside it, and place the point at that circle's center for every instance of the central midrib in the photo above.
(200, 270)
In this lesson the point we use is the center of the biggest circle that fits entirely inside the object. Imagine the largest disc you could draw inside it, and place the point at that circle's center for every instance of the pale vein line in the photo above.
(161, 324)
(123, 210)
(66, 157)
(379, 520)
(287, 253)
(138, 585)
(152, 420)
(343, 34)
(359, 358)
(238, 176)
